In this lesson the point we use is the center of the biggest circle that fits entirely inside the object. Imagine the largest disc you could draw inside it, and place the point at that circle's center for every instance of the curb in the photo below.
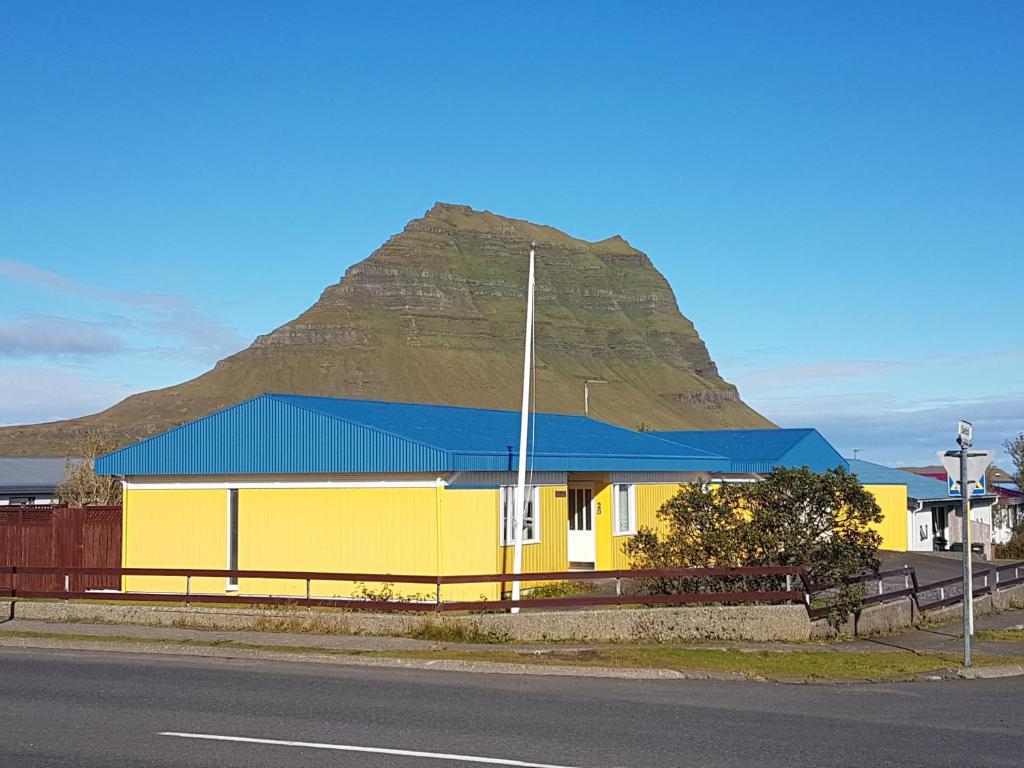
(990, 673)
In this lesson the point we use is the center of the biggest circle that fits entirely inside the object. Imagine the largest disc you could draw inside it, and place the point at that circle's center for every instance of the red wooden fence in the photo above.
(88, 537)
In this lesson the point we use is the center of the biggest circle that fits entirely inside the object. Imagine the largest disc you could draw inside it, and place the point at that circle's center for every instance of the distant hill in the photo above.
(993, 474)
(436, 315)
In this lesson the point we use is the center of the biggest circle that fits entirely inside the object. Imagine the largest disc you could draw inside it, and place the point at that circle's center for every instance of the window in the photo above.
(624, 508)
(21, 501)
(232, 537)
(531, 523)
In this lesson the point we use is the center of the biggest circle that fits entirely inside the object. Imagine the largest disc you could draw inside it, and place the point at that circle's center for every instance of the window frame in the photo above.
(506, 493)
(631, 496)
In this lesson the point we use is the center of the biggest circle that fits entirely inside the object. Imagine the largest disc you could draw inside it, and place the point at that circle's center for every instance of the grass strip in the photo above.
(772, 665)
(1000, 635)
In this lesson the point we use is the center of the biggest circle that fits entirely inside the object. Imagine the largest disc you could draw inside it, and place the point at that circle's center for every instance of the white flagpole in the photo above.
(518, 521)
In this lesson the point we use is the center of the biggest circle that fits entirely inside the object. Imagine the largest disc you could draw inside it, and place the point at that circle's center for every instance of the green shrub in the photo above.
(821, 521)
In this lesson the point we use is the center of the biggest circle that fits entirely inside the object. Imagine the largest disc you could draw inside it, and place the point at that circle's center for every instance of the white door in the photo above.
(582, 541)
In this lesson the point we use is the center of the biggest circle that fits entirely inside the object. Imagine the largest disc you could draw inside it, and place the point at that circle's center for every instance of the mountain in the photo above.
(436, 315)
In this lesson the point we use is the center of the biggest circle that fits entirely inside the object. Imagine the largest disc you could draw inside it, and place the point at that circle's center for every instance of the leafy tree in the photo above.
(821, 521)
(82, 487)
(1016, 450)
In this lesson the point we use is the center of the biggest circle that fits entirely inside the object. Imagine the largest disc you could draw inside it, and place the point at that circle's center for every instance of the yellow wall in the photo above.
(469, 541)
(355, 530)
(174, 529)
(649, 499)
(893, 501)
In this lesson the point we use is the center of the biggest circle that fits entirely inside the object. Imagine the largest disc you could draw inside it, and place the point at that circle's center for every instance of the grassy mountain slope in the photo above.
(436, 315)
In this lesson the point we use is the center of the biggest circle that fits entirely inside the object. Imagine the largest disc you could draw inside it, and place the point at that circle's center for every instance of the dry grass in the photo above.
(771, 665)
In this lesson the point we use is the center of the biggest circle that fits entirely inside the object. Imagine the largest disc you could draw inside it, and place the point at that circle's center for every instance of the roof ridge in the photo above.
(427, 405)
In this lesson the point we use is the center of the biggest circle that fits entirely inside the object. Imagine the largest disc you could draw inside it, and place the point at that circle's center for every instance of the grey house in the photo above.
(31, 480)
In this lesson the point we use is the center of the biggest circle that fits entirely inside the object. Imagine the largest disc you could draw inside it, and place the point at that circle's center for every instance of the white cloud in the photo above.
(47, 335)
(788, 376)
(896, 432)
(201, 336)
(42, 394)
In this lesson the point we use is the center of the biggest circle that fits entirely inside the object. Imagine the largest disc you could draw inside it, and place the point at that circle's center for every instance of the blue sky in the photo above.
(833, 190)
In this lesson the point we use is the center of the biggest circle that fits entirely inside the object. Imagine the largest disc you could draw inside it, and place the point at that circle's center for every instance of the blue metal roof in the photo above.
(760, 451)
(292, 434)
(918, 486)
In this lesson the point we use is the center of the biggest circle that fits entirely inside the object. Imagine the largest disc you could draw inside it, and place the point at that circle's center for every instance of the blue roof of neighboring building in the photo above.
(762, 450)
(289, 434)
(918, 486)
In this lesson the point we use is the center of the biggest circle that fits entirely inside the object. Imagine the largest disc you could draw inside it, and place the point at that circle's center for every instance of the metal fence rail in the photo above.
(12, 577)
(795, 587)
(950, 591)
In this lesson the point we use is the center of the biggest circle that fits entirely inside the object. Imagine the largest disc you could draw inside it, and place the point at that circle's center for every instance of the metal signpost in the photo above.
(969, 466)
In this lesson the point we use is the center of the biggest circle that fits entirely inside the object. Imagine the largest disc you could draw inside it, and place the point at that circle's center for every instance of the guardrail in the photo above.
(990, 579)
(9, 587)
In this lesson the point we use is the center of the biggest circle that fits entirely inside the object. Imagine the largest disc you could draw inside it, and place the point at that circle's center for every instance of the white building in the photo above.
(933, 517)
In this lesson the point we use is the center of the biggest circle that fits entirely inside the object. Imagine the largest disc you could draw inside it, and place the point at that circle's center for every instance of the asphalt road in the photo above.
(75, 709)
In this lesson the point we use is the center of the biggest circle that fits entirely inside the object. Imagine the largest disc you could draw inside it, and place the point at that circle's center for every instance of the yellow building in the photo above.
(290, 483)
(754, 452)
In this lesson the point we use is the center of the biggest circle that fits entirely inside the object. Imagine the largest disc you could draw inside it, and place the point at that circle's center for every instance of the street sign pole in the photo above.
(966, 468)
(965, 501)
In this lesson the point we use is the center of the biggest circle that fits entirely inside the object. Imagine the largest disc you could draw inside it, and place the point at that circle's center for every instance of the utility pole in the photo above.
(586, 394)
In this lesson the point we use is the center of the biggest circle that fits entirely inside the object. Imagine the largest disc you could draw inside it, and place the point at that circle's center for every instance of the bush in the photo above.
(820, 521)
(82, 487)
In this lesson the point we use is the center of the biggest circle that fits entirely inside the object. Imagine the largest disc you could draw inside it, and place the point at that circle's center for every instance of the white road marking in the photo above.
(375, 750)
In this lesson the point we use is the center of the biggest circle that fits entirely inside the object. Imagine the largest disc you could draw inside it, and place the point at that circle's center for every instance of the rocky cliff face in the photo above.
(436, 315)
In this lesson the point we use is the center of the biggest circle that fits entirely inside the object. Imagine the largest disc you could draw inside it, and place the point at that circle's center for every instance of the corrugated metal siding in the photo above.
(815, 452)
(175, 529)
(594, 462)
(469, 537)
(277, 434)
(464, 480)
(657, 478)
(753, 467)
(266, 436)
(893, 527)
(364, 530)
(759, 451)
